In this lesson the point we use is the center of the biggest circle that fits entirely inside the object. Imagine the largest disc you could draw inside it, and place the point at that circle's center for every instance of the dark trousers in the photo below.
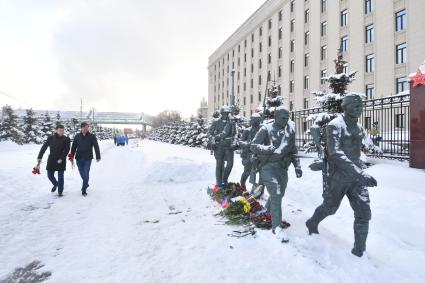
(359, 201)
(224, 163)
(57, 183)
(84, 169)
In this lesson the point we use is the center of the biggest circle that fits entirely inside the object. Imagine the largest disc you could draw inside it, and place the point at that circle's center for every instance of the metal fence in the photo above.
(386, 120)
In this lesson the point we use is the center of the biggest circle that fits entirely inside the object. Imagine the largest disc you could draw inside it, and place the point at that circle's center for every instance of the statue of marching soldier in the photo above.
(274, 146)
(221, 135)
(345, 176)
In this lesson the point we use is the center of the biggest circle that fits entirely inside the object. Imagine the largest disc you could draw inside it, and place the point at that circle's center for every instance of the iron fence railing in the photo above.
(386, 120)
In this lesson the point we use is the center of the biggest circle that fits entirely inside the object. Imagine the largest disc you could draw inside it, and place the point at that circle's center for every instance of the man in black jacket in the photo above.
(82, 150)
(59, 146)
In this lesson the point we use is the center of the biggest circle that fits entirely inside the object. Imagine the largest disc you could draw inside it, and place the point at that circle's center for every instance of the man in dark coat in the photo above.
(82, 150)
(59, 146)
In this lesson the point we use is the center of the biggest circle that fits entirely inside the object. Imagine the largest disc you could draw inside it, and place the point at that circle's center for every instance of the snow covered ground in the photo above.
(147, 218)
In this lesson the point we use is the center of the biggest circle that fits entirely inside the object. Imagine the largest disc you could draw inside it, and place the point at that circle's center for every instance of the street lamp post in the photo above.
(232, 97)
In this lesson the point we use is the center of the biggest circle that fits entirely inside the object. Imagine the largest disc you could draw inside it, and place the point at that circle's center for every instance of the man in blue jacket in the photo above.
(82, 150)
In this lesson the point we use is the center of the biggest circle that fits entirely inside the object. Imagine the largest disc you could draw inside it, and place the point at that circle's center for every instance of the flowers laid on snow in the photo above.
(240, 207)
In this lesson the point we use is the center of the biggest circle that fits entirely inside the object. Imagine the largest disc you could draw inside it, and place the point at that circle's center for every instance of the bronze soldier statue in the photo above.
(345, 173)
(221, 139)
(274, 146)
(248, 135)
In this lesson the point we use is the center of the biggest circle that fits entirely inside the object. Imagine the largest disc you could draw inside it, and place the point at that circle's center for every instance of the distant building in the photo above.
(295, 43)
(203, 110)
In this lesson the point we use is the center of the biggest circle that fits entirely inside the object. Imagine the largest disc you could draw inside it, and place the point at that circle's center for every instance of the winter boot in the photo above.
(280, 235)
(312, 227)
(361, 229)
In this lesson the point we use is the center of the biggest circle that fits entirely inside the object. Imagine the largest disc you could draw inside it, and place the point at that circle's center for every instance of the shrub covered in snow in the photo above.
(192, 134)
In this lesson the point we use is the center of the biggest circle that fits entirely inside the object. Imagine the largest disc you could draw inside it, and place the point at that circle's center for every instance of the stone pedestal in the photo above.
(417, 121)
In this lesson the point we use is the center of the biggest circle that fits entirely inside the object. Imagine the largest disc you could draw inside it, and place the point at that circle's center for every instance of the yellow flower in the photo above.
(246, 205)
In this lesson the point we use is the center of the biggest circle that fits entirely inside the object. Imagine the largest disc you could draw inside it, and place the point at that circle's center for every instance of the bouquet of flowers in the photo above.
(240, 207)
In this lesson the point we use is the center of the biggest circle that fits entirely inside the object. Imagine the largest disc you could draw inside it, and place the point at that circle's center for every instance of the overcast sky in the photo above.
(118, 55)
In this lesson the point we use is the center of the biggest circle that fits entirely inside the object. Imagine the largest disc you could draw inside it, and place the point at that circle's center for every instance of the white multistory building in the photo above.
(295, 42)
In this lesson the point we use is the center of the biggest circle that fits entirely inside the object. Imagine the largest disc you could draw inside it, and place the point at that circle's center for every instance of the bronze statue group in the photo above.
(268, 147)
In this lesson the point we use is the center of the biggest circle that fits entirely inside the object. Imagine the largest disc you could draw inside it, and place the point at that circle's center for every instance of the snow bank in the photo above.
(177, 170)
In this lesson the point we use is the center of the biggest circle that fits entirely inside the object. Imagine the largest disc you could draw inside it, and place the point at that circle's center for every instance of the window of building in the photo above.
(252, 83)
(279, 71)
(252, 68)
(306, 59)
(260, 31)
(323, 6)
(260, 64)
(292, 6)
(280, 32)
(323, 74)
(252, 37)
(292, 66)
(292, 25)
(291, 86)
(323, 28)
(280, 15)
(307, 16)
(259, 80)
(344, 18)
(260, 46)
(306, 82)
(245, 43)
(270, 41)
(291, 105)
(269, 76)
(306, 37)
(370, 63)
(401, 53)
(244, 72)
(323, 52)
(399, 120)
(402, 84)
(305, 104)
(280, 52)
(270, 24)
(400, 20)
(370, 90)
(370, 36)
(244, 57)
(368, 6)
(270, 58)
(345, 68)
(344, 44)
(259, 96)
(292, 47)
(252, 52)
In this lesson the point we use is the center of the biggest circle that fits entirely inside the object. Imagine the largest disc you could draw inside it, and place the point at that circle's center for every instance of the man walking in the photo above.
(82, 150)
(59, 146)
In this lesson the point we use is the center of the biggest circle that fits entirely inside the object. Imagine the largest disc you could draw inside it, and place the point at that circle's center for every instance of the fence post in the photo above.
(417, 119)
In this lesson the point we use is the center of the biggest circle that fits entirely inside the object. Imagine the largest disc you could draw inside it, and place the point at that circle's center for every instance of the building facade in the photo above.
(294, 42)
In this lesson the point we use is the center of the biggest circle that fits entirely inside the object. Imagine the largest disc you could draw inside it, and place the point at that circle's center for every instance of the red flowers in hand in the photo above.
(36, 170)
(70, 157)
